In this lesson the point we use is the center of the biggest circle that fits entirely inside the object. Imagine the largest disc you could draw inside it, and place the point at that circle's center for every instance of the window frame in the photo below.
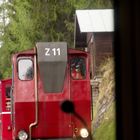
(85, 63)
(25, 58)
(7, 98)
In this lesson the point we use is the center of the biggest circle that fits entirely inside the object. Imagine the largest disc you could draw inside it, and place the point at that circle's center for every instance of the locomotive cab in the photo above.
(43, 79)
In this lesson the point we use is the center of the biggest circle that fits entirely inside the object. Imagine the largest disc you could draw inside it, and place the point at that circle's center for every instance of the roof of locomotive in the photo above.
(5, 80)
(75, 51)
(70, 51)
(31, 51)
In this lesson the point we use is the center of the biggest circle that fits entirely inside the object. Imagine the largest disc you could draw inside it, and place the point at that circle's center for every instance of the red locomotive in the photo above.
(5, 110)
(42, 79)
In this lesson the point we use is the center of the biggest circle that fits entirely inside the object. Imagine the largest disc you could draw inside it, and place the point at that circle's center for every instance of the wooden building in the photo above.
(94, 33)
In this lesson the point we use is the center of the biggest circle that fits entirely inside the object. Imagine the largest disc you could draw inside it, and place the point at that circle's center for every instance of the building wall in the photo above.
(100, 46)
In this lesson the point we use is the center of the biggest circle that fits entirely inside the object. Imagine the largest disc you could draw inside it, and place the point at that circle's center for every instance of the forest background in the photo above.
(31, 21)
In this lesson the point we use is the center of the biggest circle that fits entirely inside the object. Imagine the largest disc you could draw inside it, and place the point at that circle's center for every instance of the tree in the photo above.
(39, 20)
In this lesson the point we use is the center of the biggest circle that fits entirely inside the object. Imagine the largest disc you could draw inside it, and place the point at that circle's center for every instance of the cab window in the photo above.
(25, 69)
(78, 68)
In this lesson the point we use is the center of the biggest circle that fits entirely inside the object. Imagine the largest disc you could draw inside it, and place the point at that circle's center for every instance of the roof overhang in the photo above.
(92, 21)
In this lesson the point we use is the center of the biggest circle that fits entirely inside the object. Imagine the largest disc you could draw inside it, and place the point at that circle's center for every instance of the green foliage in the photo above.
(106, 131)
(93, 4)
(38, 20)
(107, 128)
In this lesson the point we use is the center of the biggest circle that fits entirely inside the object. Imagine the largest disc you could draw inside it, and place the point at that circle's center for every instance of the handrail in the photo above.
(36, 98)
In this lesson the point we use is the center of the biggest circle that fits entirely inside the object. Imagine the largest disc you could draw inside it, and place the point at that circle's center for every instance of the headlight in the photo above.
(84, 133)
(22, 135)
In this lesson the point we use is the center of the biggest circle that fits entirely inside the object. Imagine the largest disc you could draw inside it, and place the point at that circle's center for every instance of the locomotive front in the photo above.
(42, 81)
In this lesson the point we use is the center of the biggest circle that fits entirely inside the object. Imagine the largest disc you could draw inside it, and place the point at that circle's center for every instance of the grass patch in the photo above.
(106, 131)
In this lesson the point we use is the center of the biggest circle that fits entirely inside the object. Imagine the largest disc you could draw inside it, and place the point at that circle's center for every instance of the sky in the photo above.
(7, 21)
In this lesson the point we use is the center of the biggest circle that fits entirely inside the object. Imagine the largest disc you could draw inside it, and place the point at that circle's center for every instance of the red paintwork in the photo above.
(5, 115)
(52, 122)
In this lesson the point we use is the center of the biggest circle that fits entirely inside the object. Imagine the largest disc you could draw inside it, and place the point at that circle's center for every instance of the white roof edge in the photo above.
(96, 20)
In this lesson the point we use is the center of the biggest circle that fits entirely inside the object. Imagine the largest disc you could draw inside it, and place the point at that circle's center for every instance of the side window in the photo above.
(8, 88)
(78, 68)
(8, 98)
(25, 69)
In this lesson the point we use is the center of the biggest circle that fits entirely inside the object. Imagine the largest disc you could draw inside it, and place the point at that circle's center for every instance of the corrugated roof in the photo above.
(101, 20)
